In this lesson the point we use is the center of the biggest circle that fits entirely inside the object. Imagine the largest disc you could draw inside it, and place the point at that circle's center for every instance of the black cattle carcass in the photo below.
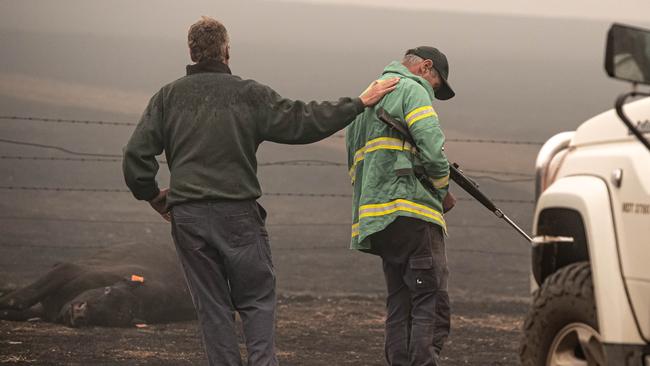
(119, 286)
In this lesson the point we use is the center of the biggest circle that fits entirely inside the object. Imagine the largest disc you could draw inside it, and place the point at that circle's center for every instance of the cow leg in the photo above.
(35, 311)
(4, 291)
(24, 298)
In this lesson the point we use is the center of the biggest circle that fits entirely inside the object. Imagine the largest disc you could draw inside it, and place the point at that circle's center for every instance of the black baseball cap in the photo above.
(440, 64)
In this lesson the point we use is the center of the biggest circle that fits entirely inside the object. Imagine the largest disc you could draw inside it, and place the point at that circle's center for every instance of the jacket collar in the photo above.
(396, 67)
(208, 66)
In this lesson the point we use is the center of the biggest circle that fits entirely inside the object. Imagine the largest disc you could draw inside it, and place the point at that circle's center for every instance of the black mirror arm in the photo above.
(620, 102)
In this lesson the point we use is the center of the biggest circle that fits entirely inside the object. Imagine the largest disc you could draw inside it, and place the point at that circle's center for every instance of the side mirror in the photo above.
(627, 56)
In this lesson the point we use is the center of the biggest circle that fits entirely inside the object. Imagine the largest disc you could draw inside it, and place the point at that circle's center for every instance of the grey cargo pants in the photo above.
(224, 250)
(417, 304)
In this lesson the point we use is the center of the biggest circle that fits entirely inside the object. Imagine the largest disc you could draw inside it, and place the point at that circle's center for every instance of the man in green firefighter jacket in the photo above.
(395, 216)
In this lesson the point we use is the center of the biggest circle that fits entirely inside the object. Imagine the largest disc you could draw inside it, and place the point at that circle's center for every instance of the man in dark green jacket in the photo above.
(210, 124)
(395, 216)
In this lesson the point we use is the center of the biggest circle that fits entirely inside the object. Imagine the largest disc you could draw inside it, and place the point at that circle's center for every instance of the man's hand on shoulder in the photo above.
(159, 203)
(376, 90)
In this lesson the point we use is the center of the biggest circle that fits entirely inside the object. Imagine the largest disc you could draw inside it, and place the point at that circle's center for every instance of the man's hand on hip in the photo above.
(160, 204)
(376, 90)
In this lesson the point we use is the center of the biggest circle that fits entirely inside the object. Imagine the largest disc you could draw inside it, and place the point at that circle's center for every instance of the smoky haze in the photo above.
(518, 78)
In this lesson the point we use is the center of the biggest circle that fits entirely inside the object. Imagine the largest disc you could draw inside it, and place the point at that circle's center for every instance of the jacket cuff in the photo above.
(146, 195)
(358, 104)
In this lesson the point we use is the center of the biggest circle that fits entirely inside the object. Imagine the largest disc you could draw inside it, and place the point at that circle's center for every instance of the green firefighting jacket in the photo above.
(381, 165)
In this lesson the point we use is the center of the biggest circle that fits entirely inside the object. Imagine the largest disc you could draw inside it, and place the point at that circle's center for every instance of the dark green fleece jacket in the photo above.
(210, 124)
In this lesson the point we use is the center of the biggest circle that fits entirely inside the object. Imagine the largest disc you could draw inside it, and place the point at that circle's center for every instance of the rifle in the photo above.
(456, 175)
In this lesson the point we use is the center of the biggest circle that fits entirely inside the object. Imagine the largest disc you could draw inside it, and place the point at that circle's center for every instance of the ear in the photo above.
(427, 64)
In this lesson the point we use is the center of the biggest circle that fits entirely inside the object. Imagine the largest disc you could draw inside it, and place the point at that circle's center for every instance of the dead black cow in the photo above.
(119, 286)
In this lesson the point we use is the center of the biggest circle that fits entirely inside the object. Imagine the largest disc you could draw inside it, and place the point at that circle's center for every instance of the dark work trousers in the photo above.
(417, 304)
(224, 251)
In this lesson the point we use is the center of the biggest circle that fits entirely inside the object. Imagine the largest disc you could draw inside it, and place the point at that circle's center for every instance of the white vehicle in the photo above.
(591, 264)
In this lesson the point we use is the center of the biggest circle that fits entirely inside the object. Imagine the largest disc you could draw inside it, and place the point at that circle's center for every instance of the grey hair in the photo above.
(208, 40)
(411, 59)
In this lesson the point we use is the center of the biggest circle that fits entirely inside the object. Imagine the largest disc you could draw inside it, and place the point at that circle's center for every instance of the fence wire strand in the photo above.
(62, 149)
(63, 120)
(308, 163)
(272, 194)
(115, 123)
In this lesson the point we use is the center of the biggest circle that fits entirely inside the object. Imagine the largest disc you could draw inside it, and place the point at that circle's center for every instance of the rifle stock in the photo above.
(455, 173)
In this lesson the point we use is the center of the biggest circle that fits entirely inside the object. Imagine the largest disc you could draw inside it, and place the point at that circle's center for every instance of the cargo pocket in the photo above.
(242, 229)
(420, 276)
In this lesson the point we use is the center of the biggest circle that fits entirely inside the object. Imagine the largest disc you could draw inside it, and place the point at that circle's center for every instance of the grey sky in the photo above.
(142, 18)
(109, 56)
(170, 19)
(609, 10)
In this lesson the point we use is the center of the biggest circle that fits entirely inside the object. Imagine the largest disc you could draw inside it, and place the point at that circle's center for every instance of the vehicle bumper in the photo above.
(627, 354)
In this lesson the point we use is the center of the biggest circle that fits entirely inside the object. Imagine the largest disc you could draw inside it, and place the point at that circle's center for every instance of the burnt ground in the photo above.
(311, 331)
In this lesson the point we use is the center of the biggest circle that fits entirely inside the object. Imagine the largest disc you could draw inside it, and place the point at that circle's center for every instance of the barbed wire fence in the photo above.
(62, 120)
(112, 158)
(93, 157)
(271, 194)
(115, 123)
(319, 163)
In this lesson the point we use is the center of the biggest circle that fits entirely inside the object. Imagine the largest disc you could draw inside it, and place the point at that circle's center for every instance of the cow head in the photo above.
(114, 305)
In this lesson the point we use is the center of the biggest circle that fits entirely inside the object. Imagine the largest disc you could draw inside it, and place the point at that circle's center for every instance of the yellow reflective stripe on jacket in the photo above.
(380, 143)
(355, 229)
(382, 209)
(440, 182)
(419, 113)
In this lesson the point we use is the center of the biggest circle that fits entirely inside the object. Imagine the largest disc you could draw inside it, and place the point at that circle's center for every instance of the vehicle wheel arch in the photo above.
(549, 258)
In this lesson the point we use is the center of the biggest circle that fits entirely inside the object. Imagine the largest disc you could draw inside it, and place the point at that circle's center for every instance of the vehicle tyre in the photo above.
(561, 326)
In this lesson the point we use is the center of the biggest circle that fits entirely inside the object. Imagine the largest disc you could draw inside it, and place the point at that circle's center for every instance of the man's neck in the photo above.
(208, 66)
